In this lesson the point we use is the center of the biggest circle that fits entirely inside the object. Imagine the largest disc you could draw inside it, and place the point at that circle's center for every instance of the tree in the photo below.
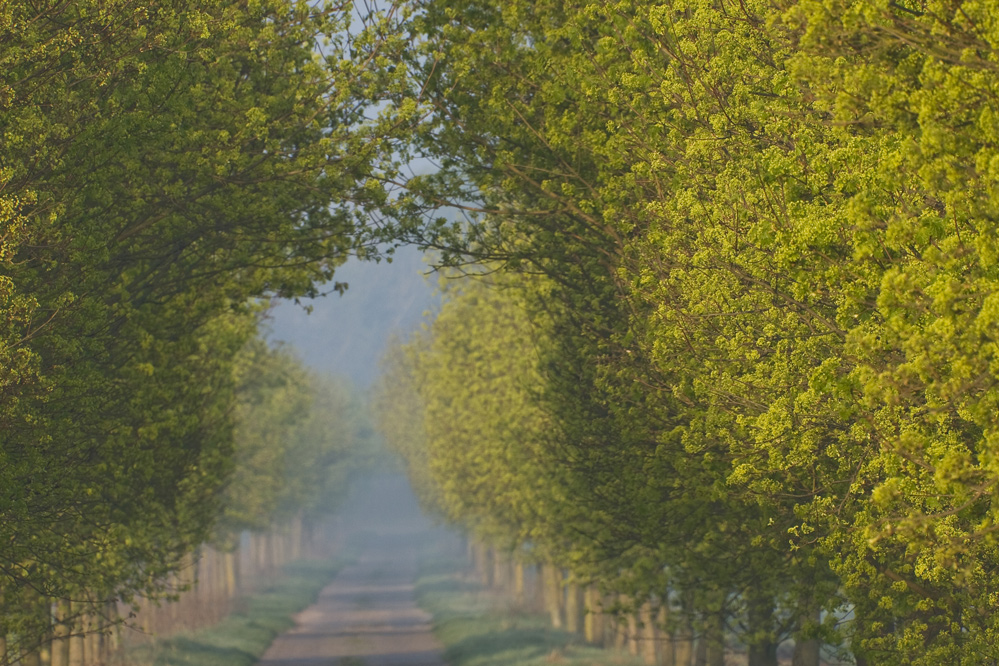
(162, 167)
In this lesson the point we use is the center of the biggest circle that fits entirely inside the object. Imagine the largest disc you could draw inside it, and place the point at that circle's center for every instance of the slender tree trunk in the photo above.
(488, 557)
(621, 623)
(574, 608)
(91, 651)
(609, 635)
(701, 652)
(76, 647)
(260, 548)
(501, 571)
(518, 584)
(762, 646)
(684, 643)
(715, 639)
(649, 645)
(667, 656)
(60, 635)
(479, 561)
(114, 628)
(274, 561)
(807, 650)
(553, 593)
(200, 594)
(633, 634)
(296, 538)
(231, 575)
(593, 629)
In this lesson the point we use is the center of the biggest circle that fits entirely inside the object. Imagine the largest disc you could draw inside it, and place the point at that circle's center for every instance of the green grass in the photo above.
(241, 638)
(477, 631)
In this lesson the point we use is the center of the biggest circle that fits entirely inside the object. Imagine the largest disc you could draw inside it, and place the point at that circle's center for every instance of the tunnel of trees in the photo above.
(720, 326)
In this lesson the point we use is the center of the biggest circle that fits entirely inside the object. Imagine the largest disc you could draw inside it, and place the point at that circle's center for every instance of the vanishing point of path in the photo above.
(368, 615)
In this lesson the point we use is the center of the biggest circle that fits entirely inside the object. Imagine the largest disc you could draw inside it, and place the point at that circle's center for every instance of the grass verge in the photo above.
(242, 637)
(477, 631)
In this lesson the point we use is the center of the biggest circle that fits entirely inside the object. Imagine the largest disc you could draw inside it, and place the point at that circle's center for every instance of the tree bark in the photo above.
(76, 643)
(501, 571)
(684, 644)
(649, 635)
(552, 580)
(807, 650)
(60, 635)
(633, 634)
(231, 575)
(762, 646)
(518, 584)
(593, 630)
(621, 624)
(665, 650)
(715, 639)
(573, 609)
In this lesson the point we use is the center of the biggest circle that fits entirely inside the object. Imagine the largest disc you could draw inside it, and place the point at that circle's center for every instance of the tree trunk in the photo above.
(488, 557)
(501, 570)
(60, 635)
(762, 646)
(593, 630)
(76, 643)
(573, 609)
(684, 643)
(296, 538)
(701, 652)
(665, 650)
(621, 624)
(114, 628)
(807, 650)
(714, 636)
(633, 634)
(231, 575)
(518, 584)
(31, 658)
(620, 633)
(91, 650)
(553, 593)
(649, 643)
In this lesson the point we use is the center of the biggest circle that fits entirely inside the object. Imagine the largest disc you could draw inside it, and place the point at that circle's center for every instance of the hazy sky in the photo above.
(346, 335)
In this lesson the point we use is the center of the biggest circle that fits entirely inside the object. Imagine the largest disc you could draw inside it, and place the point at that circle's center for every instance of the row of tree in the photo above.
(733, 346)
(162, 167)
(297, 440)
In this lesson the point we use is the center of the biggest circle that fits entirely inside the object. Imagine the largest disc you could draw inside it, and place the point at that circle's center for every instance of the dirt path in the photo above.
(367, 615)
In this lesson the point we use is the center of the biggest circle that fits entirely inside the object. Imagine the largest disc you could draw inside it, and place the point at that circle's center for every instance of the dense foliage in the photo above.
(161, 167)
(732, 348)
(767, 333)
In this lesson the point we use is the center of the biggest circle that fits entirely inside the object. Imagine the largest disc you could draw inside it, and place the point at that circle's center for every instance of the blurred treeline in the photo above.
(165, 168)
(730, 352)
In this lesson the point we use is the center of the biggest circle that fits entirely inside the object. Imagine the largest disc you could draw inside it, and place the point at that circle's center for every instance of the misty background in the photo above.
(347, 335)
